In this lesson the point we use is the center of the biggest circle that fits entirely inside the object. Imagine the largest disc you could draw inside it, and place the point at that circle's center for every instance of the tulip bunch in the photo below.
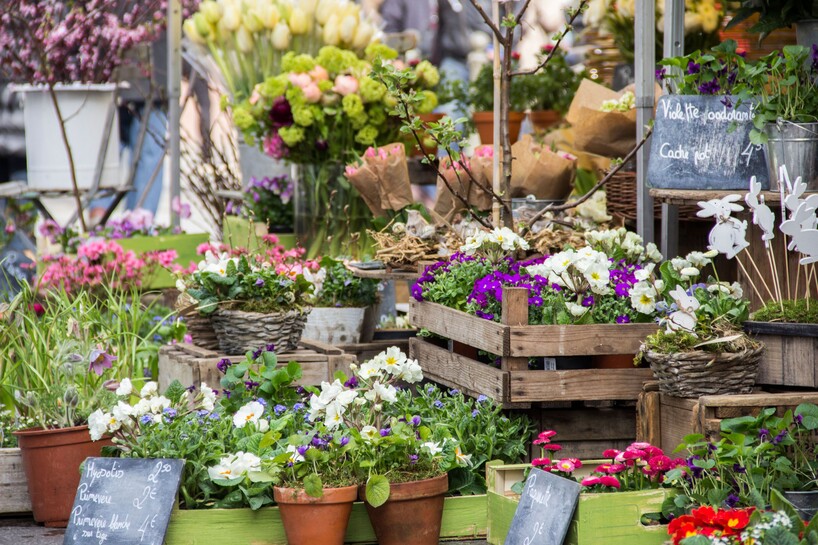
(247, 39)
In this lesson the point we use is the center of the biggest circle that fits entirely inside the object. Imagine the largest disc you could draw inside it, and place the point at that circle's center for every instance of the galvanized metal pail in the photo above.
(796, 146)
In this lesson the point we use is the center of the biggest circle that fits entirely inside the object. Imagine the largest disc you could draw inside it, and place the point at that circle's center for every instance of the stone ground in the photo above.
(23, 531)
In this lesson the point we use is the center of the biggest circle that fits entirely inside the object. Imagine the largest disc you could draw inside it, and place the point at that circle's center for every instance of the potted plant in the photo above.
(67, 56)
(632, 477)
(775, 14)
(782, 84)
(480, 97)
(267, 208)
(550, 90)
(340, 302)
(56, 369)
(403, 462)
(700, 348)
(754, 458)
(250, 303)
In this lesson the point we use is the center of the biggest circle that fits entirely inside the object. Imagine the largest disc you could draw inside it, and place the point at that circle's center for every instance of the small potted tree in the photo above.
(550, 90)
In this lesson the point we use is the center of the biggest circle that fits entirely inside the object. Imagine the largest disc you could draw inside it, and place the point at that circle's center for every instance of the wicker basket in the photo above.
(620, 194)
(198, 326)
(240, 331)
(698, 373)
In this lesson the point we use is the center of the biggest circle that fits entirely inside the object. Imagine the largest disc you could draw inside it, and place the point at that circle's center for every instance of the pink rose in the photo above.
(345, 85)
(300, 80)
(312, 93)
(255, 97)
(319, 73)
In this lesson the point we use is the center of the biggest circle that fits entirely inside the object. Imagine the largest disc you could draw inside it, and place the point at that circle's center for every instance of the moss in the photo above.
(801, 311)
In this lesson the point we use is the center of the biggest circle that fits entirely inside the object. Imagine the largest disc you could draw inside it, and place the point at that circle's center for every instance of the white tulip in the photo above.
(324, 10)
(244, 40)
(252, 21)
(363, 35)
(189, 27)
(269, 15)
(299, 23)
(211, 10)
(331, 34)
(349, 25)
(231, 18)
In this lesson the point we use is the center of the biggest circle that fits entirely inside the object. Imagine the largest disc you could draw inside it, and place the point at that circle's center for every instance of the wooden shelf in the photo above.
(689, 196)
(384, 274)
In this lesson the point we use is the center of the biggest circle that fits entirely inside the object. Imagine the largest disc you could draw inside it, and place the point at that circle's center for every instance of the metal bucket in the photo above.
(256, 164)
(796, 146)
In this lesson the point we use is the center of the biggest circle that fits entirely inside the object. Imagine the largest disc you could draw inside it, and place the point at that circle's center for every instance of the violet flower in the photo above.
(99, 360)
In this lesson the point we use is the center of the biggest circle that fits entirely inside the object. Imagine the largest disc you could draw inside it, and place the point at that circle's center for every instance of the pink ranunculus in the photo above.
(312, 93)
(300, 80)
(484, 151)
(274, 146)
(319, 73)
(345, 85)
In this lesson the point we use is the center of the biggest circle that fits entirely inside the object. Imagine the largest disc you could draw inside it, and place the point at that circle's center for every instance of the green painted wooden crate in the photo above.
(463, 517)
(184, 244)
(612, 519)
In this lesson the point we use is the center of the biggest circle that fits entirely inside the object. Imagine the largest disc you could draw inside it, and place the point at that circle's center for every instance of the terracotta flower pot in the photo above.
(309, 521)
(542, 120)
(51, 461)
(412, 514)
(484, 122)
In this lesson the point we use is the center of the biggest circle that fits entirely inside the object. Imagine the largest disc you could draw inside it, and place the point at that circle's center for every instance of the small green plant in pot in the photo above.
(341, 301)
(480, 97)
(550, 90)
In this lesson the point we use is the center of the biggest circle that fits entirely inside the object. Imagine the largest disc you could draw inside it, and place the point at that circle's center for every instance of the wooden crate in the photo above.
(464, 517)
(13, 485)
(585, 429)
(515, 342)
(613, 518)
(521, 387)
(790, 356)
(192, 365)
(664, 420)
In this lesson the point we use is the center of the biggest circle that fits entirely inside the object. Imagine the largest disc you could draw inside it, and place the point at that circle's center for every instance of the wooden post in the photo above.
(514, 312)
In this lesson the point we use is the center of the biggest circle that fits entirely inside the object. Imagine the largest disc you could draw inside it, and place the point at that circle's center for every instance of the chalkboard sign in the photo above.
(624, 75)
(692, 146)
(545, 510)
(123, 501)
(16, 265)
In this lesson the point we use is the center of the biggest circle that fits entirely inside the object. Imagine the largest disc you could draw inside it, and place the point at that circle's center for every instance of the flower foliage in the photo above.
(269, 200)
(51, 41)
(717, 71)
(337, 286)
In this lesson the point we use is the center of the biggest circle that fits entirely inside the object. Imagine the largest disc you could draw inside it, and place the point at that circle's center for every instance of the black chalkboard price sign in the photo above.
(695, 147)
(545, 510)
(124, 501)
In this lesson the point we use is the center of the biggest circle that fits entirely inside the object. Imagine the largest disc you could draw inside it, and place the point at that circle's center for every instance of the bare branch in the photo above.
(521, 13)
(547, 59)
(600, 184)
(487, 19)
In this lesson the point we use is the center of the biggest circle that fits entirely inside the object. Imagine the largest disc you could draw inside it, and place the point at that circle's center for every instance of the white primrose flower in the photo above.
(433, 448)
(142, 407)
(392, 360)
(208, 397)
(598, 277)
(370, 369)
(652, 252)
(575, 309)
(158, 404)
(122, 411)
(98, 424)
(295, 457)
(679, 263)
(335, 415)
(250, 413)
(412, 372)
(346, 397)
(369, 433)
(698, 259)
(330, 391)
(462, 459)
(235, 465)
(386, 392)
(643, 298)
(125, 387)
(689, 272)
(737, 291)
(149, 389)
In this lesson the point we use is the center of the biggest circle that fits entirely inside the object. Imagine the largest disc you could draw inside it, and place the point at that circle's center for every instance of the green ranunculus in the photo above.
(291, 135)
(367, 135)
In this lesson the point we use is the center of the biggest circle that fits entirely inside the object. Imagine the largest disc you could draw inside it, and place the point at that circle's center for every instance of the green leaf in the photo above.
(809, 415)
(377, 490)
(313, 486)
(780, 503)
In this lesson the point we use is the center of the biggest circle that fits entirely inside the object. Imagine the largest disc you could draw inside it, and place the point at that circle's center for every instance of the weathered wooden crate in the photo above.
(790, 356)
(515, 342)
(665, 420)
(192, 365)
(464, 517)
(13, 485)
(585, 428)
(613, 518)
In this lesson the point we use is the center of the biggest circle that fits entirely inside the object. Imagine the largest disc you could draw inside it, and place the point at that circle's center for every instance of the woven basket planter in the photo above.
(198, 326)
(698, 373)
(240, 331)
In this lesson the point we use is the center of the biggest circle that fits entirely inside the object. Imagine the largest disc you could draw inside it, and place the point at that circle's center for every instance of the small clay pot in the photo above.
(310, 521)
(542, 120)
(484, 122)
(412, 514)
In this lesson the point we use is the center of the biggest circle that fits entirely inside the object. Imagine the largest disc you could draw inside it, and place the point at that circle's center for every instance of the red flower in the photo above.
(651, 451)
(733, 520)
(552, 446)
(548, 48)
(704, 515)
(611, 453)
(515, 55)
(590, 481)
(617, 468)
(540, 462)
(660, 463)
(544, 437)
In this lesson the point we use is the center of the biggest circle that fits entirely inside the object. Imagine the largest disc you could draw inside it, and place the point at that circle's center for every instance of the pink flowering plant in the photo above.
(640, 466)
(52, 41)
(100, 264)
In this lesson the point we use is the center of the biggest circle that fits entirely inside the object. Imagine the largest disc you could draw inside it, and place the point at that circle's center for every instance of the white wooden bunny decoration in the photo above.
(729, 235)
(684, 318)
(762, 215)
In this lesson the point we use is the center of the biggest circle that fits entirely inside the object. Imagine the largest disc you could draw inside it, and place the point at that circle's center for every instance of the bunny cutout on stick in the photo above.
(685, 318)
(801, 230)
(729, 235)
(762, 215)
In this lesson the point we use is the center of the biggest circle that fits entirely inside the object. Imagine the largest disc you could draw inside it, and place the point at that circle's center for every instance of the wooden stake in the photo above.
(750, 280)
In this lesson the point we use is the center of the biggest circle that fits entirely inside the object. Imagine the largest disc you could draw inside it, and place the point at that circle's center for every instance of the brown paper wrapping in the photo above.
(611, 134)
(538, 171)
(395, 187)
(446, 203)
(365, 180)
(479, 192)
